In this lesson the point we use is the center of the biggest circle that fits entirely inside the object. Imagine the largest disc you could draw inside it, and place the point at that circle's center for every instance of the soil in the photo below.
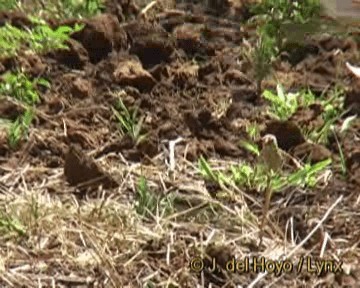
(178, 68)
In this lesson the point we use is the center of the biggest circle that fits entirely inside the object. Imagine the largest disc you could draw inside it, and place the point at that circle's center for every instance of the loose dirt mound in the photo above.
(185, 72)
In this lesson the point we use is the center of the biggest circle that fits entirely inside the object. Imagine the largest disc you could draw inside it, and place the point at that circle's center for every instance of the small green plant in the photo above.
(40, 39)
(73, 8)
(305, 176)
(262, 57)
(20, 128)
(284, 105)
(43, 39)
(129, 122)
(19, 86)
(146, 200)
(333, 111)
(58, 9)
(208, 173)
(244, 175)
(266, 175)
(250, 146)
(299, 11)
(10, 224)
(8, 5)
(277, 14)
(253, 130)
(148, 203)
(82, 8)
(11, 39)
(251, 177)
(272, 16)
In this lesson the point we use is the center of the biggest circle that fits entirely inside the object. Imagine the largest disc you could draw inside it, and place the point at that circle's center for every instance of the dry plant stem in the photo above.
(148, 7)
(265, 207)
(297, 247)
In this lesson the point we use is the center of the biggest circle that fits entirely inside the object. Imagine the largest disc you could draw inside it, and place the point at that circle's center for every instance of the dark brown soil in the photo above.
(177, 68)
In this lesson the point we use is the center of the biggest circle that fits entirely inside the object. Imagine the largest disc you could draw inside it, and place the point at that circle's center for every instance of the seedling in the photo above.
(207, 172)
(11, 39)
(8, 5)
(10, 224)
(333, 111)
(267, 175)
(251, 147)
(20, 128)
(129, 122)
(74, 8)
(284, 105)
(284, 18)
(19, 86)
(273, 16)
(254, 177)
(40, 39)
(148, 203)
(43, 39)
(253, 130)
(83, 8)
(263, 56)
(146, 200)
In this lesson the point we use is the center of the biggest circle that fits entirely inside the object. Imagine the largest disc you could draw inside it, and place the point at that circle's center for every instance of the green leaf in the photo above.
(205, 167)
(250, 147)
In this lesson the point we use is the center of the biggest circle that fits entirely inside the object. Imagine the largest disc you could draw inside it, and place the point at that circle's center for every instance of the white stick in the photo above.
(353, 69)
(148, 7)
(172, 162)
(326, 215)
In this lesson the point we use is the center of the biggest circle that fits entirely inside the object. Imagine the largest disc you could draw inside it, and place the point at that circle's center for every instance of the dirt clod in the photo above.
(81, 88)
(352, 101)
(130, 72)
(220, 255)
(185, 68)
(101, 35)
(75, 57)
(150, 43)
(32, 65)
(80, 169)
(9, 109)
(312, 152)
(353, 164)
(16, 18)
(288, 134)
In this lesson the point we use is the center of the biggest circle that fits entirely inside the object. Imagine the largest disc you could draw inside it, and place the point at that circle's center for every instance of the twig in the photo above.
(292, 252)
(147, 8)
(172, 163)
